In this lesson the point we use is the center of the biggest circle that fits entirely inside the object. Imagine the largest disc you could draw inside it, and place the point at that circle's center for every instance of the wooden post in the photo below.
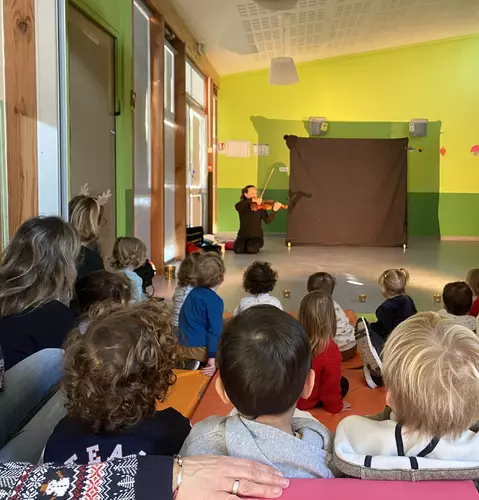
(180, 149)
(21, 110)
(157, 62)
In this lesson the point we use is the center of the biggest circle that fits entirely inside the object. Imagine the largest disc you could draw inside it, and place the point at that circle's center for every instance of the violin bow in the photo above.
(267, 182)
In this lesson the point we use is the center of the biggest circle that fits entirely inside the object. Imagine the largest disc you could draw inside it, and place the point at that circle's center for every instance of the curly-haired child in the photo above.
(259, 281)
(114, 375)
(129, 254)
(201, 317)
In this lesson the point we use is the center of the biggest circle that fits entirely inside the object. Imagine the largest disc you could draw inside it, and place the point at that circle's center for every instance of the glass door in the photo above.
(197, 175)
(92, 115)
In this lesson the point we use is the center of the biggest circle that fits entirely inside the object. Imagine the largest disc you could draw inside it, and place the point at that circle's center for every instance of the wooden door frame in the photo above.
(20, 111)
(157, 116)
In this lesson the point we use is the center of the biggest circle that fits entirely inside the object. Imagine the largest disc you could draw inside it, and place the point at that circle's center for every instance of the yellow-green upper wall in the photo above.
(368, 95)
(439, 81)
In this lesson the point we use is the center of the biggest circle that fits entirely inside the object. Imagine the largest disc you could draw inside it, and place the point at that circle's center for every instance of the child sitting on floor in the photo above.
(98, 287)
(129, 254)
(430, 370)
(114, 375)
(394, 310)
(186, 282)
(259, 281)
(473, 282)
(318, 318)
(201, 317)
(264, 363)
(457, 298)
(344, 336)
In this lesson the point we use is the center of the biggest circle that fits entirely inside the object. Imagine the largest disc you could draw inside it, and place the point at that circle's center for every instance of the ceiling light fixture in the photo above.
(277, 4)
(282, 69)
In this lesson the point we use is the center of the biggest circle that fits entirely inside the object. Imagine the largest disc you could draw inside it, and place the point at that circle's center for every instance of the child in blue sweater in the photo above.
(201, 317)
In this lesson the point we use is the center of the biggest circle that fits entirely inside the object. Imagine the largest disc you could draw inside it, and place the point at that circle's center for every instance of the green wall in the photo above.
(367, 96)
(115, 16)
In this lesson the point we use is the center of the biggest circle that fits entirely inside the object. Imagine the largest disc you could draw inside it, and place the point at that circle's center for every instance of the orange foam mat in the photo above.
(353, 364)
(364, 401)
(185, 395)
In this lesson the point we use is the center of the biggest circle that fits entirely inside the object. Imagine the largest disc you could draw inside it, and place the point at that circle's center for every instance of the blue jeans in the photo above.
(28, 412)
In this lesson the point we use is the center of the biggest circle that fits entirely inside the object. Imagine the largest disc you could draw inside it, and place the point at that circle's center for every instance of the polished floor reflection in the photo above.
(431, 264)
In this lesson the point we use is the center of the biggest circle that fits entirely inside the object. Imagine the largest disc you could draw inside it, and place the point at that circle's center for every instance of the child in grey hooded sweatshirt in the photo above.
(264, 360)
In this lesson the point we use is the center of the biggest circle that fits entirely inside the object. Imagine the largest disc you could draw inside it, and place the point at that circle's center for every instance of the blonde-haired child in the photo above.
(397, 307)
(318, 318)
(431, 373)
(84, 215)
(473, 281)
(129, 254)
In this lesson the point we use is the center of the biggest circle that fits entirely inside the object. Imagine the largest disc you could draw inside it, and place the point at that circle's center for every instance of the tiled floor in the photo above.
(431, 263)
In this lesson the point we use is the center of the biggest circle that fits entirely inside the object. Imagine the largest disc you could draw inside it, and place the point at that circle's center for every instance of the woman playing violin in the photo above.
(251, 214)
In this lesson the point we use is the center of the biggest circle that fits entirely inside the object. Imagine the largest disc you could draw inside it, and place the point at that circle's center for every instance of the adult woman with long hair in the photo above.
(37, 275)
(85, 213)
(250, 234)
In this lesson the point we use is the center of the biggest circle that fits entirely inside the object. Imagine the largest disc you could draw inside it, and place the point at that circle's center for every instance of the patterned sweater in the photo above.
(124, 479)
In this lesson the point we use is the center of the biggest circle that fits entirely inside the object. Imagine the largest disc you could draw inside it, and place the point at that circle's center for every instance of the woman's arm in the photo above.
(243, 204)
(268, 216)
(202, 478)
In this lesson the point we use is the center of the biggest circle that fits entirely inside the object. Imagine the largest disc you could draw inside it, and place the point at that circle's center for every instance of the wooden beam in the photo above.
(181, 30)
(180, 149)
(21, 110)
(157, 63)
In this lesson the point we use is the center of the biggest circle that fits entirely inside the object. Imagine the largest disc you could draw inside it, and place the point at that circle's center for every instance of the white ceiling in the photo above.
(241, 36)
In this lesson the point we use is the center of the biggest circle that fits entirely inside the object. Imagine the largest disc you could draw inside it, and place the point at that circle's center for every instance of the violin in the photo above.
(266, 205)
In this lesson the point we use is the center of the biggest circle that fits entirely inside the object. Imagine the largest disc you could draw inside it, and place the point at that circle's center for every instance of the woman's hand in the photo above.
(213, 478)
(258, 200)
(277, 205)
(210, 369)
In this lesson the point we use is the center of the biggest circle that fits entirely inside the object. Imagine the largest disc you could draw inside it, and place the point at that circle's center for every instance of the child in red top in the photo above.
(318, 318)
(473, 282)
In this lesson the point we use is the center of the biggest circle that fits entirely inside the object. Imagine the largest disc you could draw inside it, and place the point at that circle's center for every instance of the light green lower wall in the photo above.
(429, 214)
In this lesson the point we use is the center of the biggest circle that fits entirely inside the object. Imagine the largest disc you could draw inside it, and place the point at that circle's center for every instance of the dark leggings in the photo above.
(248, 245)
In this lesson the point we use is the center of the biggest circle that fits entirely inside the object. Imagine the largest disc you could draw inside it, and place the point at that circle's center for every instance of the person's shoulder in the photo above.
(358, 426)
(170, 415)
(54, 309)
(206, 437)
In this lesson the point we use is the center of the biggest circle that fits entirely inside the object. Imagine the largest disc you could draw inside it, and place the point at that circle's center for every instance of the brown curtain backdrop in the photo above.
(347, 191)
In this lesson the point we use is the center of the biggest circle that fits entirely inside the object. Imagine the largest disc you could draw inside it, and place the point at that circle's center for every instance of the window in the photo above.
(142, 133)
(169, 84)
(195, 84)
(169, 187)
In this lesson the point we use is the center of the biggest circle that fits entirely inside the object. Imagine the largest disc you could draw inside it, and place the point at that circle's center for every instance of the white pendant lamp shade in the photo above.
(283, 71)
